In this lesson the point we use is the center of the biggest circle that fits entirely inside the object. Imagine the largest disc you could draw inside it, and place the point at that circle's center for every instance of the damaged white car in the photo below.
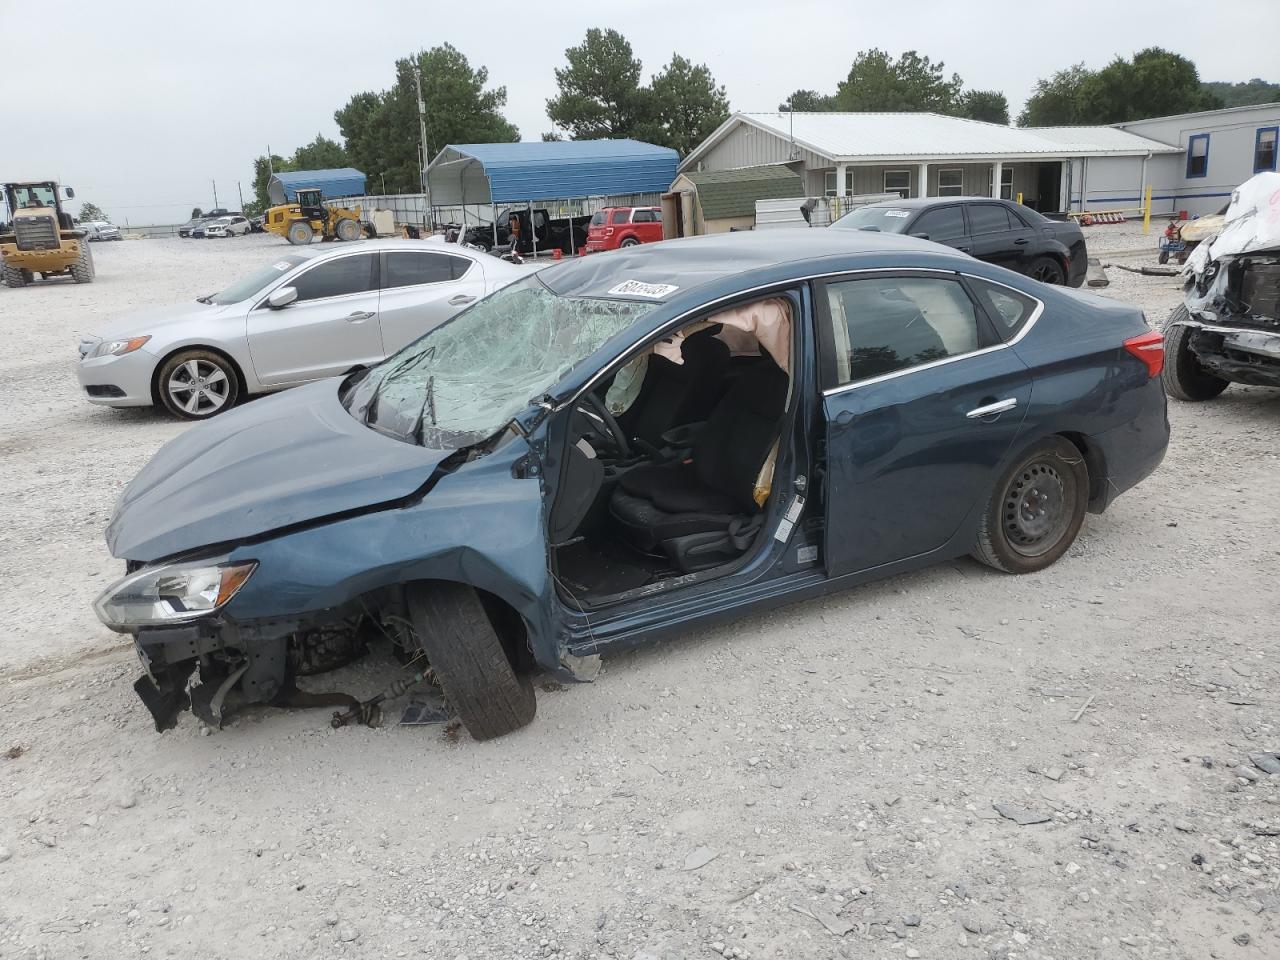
(1228, 329)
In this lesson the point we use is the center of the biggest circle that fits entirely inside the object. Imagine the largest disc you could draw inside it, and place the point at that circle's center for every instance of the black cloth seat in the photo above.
(678, 393)
(714, 490)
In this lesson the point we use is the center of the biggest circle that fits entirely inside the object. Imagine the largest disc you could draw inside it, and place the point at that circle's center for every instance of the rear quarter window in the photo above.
(1009, 310)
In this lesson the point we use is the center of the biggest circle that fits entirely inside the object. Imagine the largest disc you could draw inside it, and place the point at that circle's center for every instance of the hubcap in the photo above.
(199, 387)
(1036, 511)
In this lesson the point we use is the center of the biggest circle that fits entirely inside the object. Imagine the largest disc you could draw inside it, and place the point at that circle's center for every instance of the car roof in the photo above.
(690, 262)
(390, 244)
(917, 203)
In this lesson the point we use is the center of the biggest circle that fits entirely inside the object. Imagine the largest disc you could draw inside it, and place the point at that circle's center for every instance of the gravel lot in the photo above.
(817, 782)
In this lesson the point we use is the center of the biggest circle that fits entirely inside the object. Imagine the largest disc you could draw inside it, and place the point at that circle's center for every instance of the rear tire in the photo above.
(1047, 270)
(348, 230)
(1036, 509)
(1185, 378)
(630, 242)
(300, 233)
(1163, 258)
(82, 270)
(468, 658)
(14, 276)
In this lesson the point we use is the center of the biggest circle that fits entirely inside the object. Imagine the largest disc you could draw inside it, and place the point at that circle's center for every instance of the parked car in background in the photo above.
(185, 229)
(233, 226)
(615, 450)
(567, 233)
(305, 316)
(100, 230)
(258, 224)
(614, 227)
(997, 231)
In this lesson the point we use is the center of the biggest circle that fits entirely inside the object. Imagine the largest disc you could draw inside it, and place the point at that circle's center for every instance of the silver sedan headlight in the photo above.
(117, 348)
(172, 593)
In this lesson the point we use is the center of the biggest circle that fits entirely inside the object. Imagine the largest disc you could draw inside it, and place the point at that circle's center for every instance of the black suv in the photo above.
(997, 231)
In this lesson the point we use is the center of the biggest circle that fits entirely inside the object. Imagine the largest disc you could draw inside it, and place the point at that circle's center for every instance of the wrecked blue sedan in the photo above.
(623, 448)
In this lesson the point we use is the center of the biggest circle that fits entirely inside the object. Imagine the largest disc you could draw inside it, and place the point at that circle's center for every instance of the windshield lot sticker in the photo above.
(638, 288)
(897, 213)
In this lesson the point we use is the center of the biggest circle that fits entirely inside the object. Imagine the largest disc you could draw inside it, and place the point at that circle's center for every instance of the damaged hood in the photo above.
(282, 460)
(1251, 223)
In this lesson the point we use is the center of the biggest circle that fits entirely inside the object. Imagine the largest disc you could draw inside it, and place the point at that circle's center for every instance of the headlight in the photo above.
(118, 348)
(171, 593)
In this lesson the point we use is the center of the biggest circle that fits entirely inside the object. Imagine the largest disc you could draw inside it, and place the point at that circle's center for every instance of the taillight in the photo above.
(1149, 348)
(608, 231)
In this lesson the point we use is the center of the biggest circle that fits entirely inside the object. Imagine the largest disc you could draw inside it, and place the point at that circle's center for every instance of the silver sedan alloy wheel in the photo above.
(199, 387)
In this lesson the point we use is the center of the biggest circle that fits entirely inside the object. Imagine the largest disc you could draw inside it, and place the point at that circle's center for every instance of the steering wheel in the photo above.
(611, 428)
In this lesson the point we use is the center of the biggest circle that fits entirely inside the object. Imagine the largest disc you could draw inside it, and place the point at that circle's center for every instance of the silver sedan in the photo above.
(306, 316)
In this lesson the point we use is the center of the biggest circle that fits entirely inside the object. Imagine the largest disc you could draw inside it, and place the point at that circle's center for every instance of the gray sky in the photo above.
(147, 103)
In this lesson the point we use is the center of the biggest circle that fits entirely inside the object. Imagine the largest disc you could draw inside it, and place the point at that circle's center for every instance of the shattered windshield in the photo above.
(465, 380)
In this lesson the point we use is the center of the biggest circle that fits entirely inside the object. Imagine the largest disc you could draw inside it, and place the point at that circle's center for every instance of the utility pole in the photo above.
(215, 193)
(271, 170)
(426, 154)
(241, 192)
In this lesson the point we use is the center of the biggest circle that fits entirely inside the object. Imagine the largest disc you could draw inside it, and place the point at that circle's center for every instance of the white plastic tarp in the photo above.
(1252, 222)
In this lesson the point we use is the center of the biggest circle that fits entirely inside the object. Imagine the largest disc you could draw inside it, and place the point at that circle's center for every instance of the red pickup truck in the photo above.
(615, 227)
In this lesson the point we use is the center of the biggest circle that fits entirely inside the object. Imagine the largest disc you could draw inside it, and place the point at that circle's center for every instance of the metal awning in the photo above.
(283, 187)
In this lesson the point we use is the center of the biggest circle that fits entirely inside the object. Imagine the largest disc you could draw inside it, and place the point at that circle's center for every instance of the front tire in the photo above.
(14, 276)
(469, 660)
(197, 384)
(300, 233)
(82, 270)
(1036, 509)
(1185, 378)
(1047, 270)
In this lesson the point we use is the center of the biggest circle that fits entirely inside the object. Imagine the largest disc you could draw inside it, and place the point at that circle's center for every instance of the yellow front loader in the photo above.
(39, 238)
(301, 221)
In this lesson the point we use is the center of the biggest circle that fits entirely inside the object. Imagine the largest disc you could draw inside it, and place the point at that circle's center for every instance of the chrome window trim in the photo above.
(892, 375)
(676, 321)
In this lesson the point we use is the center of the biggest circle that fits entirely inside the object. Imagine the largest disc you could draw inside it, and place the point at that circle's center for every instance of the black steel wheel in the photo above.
(1047, 270)
(1036, 510)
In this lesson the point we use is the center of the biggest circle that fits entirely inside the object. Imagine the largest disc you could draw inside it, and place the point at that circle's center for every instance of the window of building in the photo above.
(887, 324)
(944, 223)
(830, 184)
(1006, 183)
(898, 181)
(950, 183)
(1264, 149)
(1198, 155)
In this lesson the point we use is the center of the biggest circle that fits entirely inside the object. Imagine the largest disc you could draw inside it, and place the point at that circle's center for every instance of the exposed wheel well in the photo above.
(155, 377)
(1097, 465)
(508, 624)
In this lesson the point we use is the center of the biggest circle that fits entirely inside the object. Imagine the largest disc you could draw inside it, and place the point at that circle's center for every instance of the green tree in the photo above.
(91, 211)
(1247, 94)
(687, 105)
(600, 91)
(196, 213)
(988, 105)
(380, 130)
(807, 101)
(878, 82)
(1154, 83)
(262, 170)
(320, 154)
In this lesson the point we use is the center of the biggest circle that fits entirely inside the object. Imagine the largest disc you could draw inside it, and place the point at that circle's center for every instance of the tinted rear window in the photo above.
(409, 268)
(597, 218)
(989, 218)
(620, 216)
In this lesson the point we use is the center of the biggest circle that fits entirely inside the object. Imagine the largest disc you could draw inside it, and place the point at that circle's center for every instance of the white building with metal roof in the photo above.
(1053, 169)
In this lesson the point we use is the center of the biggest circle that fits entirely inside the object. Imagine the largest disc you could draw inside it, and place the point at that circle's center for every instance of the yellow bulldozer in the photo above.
(301, 221)
(40, 238)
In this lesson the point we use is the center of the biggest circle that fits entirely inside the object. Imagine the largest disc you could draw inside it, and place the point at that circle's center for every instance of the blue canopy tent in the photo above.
(493, 173)
(283, 187)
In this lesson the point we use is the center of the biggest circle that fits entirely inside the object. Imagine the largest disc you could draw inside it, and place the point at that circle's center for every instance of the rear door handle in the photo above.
(992, 409)
(360, 316)
(1022, 241)
(459, 299)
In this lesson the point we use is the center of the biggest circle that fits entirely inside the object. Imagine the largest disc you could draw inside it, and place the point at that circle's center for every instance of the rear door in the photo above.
(922, 401)
(998, 237)
(421, 290)
(648, 225)
(331, 327)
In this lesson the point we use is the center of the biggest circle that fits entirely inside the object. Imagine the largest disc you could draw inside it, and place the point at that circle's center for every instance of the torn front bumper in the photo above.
(210, 668)
(1239, 354)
